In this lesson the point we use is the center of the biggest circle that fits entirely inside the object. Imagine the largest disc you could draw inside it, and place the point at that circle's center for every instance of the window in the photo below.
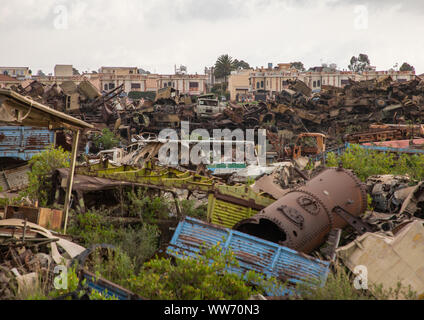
(284, 83)
(135, 86)
(262, 84)
(111, 86)
(131, 72)
(105, 86)
(165, 85)
(193, 85)
(319, 83)
(169, 84)
(323, 81)
(344, 81)
(257, 85)
(314, 84)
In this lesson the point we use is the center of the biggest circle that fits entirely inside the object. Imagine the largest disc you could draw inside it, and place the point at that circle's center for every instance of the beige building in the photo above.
(271, 81)
(15, 72)
(192, 84)
(63, 70)
(131, 82)
(238, 84)
(119, 71)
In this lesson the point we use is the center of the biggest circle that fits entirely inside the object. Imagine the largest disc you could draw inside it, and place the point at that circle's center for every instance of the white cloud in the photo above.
(156, 34)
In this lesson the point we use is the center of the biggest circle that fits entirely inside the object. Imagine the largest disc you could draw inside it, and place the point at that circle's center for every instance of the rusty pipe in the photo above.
(303, 217)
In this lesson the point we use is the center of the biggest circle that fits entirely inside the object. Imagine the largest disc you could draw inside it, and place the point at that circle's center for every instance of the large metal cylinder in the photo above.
(302, 218)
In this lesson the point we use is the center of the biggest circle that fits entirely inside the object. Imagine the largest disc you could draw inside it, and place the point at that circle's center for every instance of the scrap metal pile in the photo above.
(357, 105)
(82, 100)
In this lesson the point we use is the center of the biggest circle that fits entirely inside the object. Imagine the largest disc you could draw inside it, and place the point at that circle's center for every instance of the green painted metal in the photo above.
(166, 177)
(231, 204)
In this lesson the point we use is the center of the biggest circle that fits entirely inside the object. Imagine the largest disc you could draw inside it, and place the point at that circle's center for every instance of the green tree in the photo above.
(360, 63)
(297, 65)
(223, 66)
(75, 72)
(240, 64)
(406, 67)
(42, 166)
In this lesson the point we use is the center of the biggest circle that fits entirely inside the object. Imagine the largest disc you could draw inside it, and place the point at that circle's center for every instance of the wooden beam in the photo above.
(71, 176)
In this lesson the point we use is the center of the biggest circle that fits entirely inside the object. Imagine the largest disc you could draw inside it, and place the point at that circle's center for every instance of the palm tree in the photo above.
(223, 66)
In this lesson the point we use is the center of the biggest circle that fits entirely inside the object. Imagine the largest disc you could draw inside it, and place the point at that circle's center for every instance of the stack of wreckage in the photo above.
(291, 223)
(83, 100)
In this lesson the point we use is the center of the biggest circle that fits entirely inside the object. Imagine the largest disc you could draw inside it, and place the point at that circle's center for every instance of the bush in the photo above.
(366, 163)
(138, 243)
(105, 140)
(147, 208)
(189, 208)
(202, 278)
(339, 286)
(91, 229)
(42, 166)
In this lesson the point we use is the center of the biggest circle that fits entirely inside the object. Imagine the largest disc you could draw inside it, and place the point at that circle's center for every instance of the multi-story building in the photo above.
(16, 72)
(192, 84)
(269, 81)
(238, 84)
(63, 70)
(119, 71)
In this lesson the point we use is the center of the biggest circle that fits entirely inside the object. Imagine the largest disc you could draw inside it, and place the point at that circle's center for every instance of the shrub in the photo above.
(204, 277)
(189, 208)
(366, 163)
(42, 166)
(105, 140)
(90, 228)
(147, 208)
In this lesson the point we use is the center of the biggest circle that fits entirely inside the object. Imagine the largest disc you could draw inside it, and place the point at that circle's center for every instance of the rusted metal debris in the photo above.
(302, 218)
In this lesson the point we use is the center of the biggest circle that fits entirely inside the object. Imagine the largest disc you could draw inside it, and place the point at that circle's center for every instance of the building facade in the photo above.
(63, 70)
(16, 72)
(191, 84)
(272, 80)
(238, 84)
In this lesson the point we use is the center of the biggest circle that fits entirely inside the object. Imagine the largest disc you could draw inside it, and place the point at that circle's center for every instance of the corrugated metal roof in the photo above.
(252, 253)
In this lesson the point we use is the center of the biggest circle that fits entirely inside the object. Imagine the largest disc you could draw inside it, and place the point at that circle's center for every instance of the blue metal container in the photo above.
(251, 252)
(24, 142)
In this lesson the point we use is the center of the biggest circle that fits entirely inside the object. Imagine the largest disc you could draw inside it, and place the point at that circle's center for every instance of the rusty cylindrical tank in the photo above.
(302, 218)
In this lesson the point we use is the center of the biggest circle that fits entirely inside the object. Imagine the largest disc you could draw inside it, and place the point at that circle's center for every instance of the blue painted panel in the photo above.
(24, 142)
(252, 253)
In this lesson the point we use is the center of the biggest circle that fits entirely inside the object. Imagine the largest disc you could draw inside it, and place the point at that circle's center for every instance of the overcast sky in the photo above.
(156, 34)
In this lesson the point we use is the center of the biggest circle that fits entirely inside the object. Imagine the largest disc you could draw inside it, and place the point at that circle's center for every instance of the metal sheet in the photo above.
(230, 204)
(251, 252)
(24, 142)
(14, 179)
(388, 259)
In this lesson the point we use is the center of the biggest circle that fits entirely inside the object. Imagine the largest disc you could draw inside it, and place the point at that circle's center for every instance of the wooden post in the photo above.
(71, 176)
